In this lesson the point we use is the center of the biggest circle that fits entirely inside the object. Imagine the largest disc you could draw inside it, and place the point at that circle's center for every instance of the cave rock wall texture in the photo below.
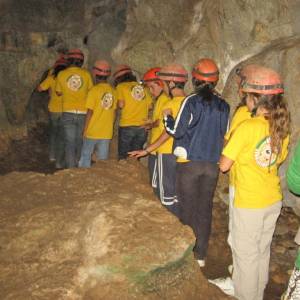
(144, 33)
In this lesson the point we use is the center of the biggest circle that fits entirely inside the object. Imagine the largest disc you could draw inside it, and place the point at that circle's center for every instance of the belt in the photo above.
(74, 111)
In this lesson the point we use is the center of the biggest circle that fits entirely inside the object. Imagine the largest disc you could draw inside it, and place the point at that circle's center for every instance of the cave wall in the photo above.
(32, 35)
(143, 34)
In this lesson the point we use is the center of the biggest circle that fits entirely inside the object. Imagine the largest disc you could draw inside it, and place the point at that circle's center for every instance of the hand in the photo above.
(167, 112)
(147, 125)
(121, 103)
(138, 153)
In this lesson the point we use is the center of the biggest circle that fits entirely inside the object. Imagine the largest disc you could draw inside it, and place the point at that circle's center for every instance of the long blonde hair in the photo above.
(278, 117)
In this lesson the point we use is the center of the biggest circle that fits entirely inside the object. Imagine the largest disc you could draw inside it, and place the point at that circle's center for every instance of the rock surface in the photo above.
(93, 234)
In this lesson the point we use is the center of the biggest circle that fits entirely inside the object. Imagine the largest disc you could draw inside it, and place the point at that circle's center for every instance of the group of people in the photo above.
(83, 108)
(190, 142)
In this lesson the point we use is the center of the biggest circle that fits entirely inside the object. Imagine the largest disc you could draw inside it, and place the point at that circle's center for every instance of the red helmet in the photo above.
(61, 62)
(262, 80)
(206, 69)
(76, 53)
(102, 68)
(173, 72)
(121, 70)
(151, 75)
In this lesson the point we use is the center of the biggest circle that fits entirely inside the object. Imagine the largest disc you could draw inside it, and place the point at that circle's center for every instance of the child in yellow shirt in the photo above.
(56, 136)
(155, 86)
(73, 85)
(101, 106)
(174, 78)
(257, 147)
(134, 102)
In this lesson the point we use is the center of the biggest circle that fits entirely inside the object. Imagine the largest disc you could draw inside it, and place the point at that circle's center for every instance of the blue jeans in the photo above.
(102, 149)
(56, 139)
(73, 125)
(130, 138)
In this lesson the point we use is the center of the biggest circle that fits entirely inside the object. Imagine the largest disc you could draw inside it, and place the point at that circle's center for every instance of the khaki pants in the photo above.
(252, 232)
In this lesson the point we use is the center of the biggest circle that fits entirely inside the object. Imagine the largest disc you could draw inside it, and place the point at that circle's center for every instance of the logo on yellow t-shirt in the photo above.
(74, 82)
(138, 93)
(107, 100)
(263, 153)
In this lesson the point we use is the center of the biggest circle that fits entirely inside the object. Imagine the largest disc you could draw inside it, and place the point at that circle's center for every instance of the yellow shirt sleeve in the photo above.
(47, 83)
(91, 100)
(119, 93)
(58, 87)
(115, 104)
(90, 81)
(236, 143)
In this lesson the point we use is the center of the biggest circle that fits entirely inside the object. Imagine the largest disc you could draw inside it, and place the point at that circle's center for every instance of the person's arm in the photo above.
(152, 147)
(39, 89)
(177, 127)
(293, 172)
(45, 85)
(88, 117)
(149, 124)
(233, 148)
(58, 89)
(121, 103)
(225, 163)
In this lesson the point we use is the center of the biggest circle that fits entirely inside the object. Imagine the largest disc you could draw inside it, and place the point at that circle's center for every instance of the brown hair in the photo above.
(278, 117)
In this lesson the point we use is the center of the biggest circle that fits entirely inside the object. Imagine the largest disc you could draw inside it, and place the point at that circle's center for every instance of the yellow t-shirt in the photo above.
(74, 84)
(137, 102)
(257, 183)
(101, 99)
(239, 116)
(55, 102)
(173, 104)
(157, 115)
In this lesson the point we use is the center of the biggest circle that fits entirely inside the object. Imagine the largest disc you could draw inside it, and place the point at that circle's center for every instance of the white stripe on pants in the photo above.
(252, 232)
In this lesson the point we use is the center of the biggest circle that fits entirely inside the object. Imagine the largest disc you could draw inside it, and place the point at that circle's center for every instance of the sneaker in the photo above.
(201, 262)
(225, 284)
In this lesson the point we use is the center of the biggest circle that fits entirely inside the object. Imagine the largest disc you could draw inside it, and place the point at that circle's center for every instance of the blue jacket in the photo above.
(199, 128)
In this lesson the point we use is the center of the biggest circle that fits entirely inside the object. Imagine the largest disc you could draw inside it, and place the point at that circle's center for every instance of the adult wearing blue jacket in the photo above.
(199, 131)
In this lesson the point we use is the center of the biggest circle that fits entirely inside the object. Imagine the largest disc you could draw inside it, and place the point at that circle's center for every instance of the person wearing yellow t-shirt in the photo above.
(257, 147)
(198, 133)
(134, 102)
(155, 86)
(73, 85)
(99, 122)
(56, 136)
(241, 114)
(174, 77)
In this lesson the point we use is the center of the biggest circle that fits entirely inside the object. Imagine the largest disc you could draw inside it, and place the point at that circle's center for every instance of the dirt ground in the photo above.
(30, 155)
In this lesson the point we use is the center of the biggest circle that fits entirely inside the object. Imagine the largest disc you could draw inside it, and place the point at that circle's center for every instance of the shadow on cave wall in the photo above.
(30, 153)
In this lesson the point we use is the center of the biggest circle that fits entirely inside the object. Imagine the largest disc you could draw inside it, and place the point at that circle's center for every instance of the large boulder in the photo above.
(93, 234)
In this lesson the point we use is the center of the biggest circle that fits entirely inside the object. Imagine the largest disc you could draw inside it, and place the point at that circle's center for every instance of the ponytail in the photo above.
(204, 89)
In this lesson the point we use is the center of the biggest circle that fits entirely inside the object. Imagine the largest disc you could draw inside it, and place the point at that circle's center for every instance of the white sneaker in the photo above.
(201, 262)
(225, 284)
